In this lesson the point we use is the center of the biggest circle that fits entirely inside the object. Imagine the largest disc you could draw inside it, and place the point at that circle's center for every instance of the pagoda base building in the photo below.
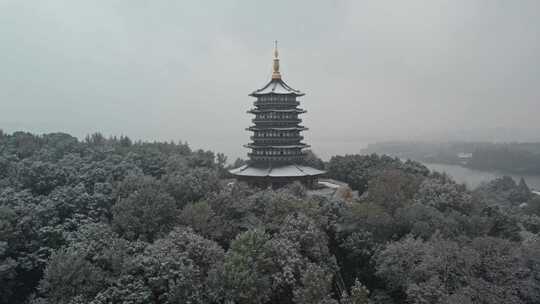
(276, 177)
(277, 154)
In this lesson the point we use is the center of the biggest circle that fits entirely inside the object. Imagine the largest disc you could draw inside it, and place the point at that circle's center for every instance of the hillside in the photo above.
(109, 220)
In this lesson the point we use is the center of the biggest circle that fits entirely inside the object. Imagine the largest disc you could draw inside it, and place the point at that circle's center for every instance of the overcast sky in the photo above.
(181, 70)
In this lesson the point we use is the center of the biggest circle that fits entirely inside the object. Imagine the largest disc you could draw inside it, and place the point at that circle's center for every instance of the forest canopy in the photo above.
(109, 220)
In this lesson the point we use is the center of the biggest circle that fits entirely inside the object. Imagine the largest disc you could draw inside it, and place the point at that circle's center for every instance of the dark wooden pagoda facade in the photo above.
(277, 155)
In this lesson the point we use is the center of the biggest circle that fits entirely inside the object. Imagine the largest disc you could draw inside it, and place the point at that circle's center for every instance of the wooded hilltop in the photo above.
(109, 220)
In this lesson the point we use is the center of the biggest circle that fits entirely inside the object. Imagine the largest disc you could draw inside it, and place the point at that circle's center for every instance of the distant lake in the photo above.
(472, 178)
(328, 148)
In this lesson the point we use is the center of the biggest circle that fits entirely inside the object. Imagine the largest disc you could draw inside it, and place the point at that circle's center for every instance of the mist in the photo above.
(182, 70)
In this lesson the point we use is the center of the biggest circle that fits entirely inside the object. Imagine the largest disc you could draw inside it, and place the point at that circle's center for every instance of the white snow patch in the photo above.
(329, 185)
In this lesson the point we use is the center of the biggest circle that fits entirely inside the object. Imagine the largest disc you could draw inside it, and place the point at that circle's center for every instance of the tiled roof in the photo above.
(276, 86)
(279, 171)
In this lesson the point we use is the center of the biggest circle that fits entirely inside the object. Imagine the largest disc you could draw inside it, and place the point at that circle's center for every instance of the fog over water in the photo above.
(473, 178)
(181, 70)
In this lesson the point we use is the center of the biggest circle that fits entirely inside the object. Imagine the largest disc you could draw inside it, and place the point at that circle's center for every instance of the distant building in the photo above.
(464, 157)
(277, 155)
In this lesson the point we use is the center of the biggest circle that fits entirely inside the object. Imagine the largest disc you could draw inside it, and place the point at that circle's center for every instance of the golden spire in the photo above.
(275, 69)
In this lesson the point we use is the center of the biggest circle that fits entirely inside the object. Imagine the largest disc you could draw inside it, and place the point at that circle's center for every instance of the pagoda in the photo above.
(277, 155)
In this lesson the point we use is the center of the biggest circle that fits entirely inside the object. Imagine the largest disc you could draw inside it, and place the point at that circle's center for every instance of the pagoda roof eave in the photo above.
(301, 128)
(296, 110)
(292, 170)
(256, 94)
(253, 146)
(277, 87)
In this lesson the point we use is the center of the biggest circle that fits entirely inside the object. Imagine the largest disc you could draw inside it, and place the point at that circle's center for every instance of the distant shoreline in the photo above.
(510, 158)
(475, 177)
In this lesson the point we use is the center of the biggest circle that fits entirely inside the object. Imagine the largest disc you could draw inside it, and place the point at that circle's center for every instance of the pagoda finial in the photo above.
(275, 70)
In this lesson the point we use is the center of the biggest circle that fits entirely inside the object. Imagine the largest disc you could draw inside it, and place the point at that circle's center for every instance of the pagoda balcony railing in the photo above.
(277, 103)
(276, 121)
(277, 128)
(276, 138)
(277, 146)
(290, 147)
(277, 158)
